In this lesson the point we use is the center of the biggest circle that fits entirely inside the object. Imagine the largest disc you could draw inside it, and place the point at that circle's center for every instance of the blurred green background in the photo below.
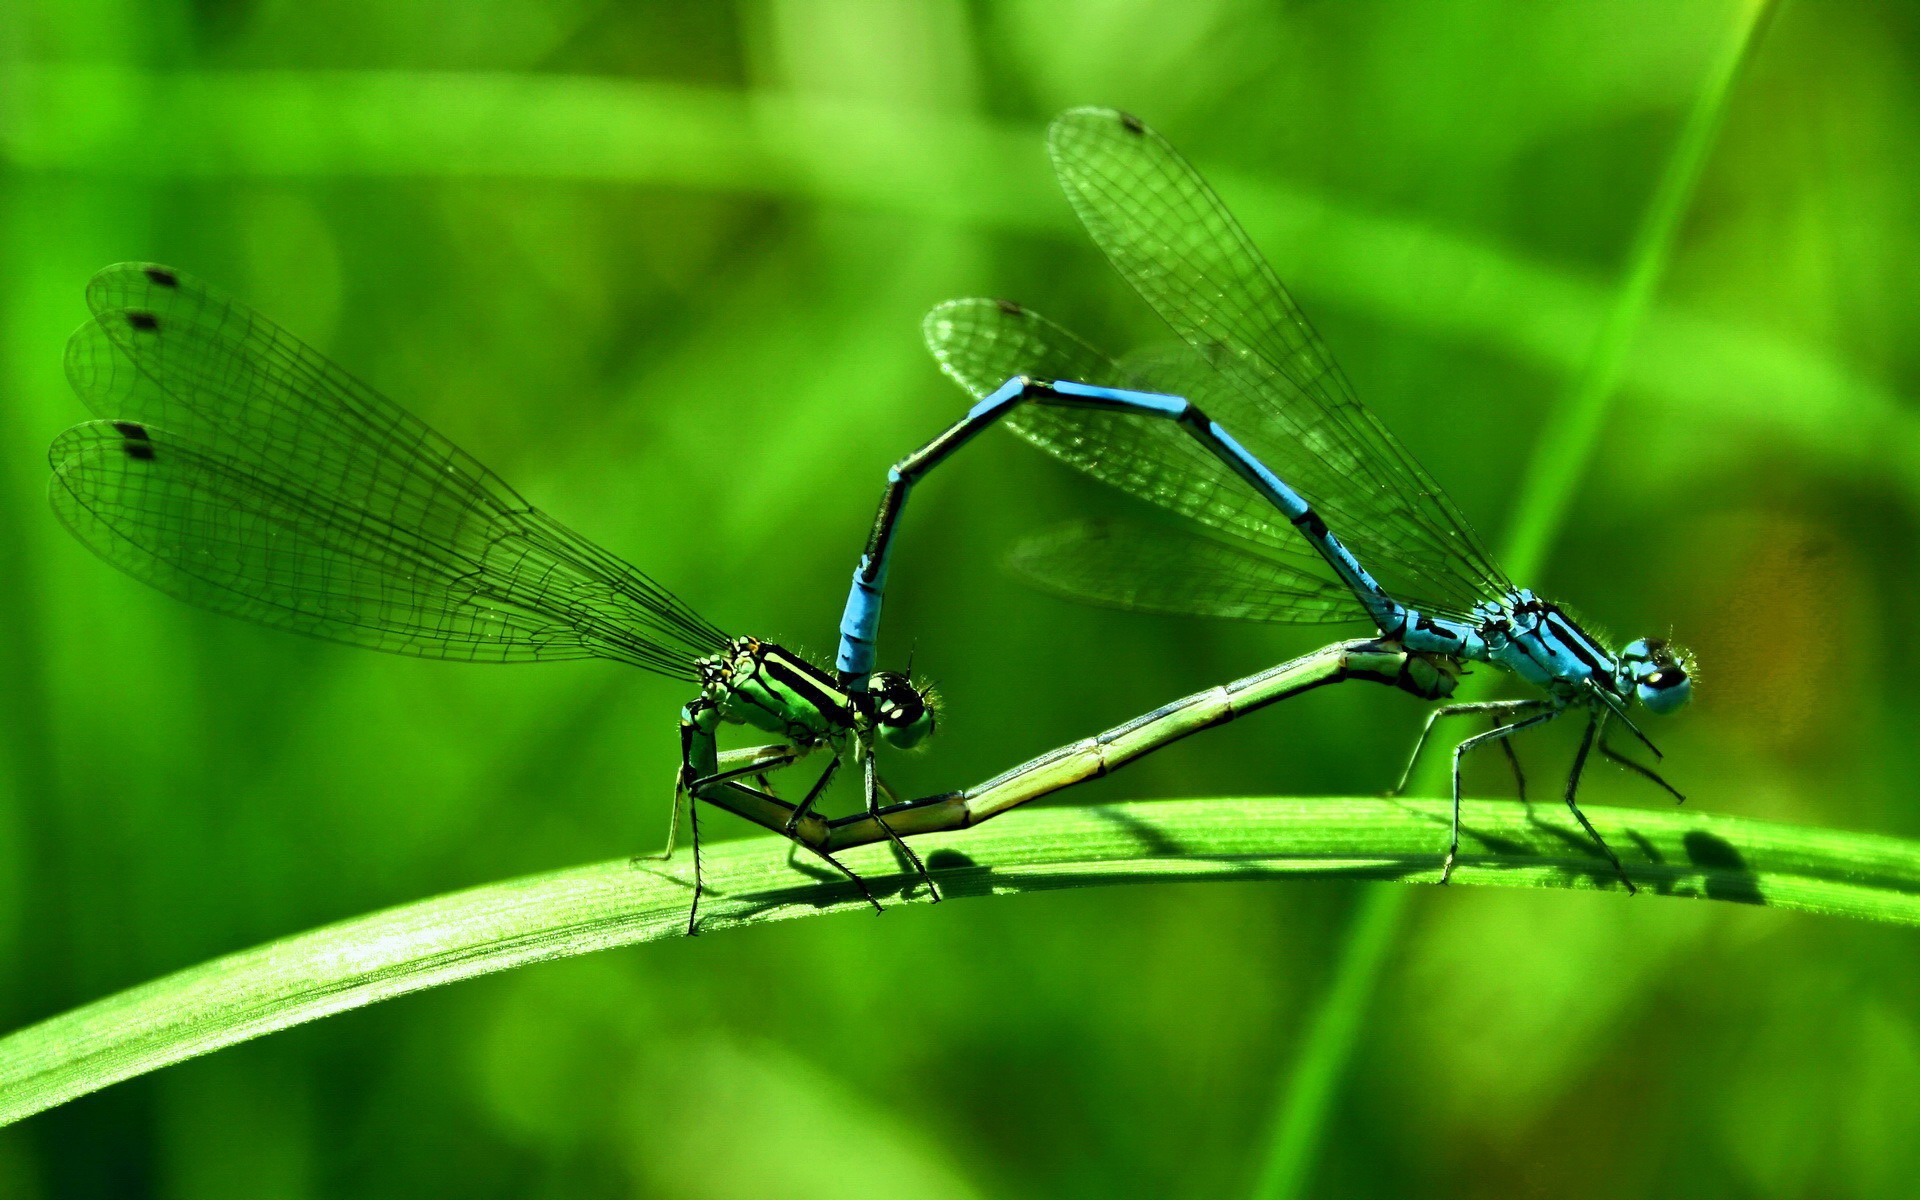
(662, 265)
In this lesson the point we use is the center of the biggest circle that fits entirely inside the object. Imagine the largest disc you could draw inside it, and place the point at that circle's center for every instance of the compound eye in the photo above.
(900, 710)
(1665, 690)
(895, 699)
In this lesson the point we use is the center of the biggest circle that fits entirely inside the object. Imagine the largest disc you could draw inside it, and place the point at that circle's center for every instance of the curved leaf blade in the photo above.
(541, 917)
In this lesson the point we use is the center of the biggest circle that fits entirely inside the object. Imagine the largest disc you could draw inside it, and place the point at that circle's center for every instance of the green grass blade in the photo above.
(355, 963)
(1302, 1105)
(1566, 444)
(1555, 468)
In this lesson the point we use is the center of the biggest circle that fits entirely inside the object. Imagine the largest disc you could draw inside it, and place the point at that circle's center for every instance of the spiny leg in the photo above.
(706, 783)
(1639, 768)
(1460, 752)
(757, 769)
(866, 893)
(695, 743)
(1500, 710)
(762, 761)
(813, 794)
(873, 810)
(758, 762)
(1595, 725)
(1513, 760)
(673, 827)
(701, 776)
(693, 826)
(806, 806)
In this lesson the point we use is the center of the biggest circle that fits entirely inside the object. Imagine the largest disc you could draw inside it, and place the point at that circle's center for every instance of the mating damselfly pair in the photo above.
(240, 470)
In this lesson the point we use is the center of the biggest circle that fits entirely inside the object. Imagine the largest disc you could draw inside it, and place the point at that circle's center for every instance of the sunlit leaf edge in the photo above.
(357, 962)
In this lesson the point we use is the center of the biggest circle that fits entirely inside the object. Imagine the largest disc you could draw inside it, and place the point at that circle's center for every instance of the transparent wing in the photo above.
(1278, 389)
(248, 474)
(1144, 569)
(983, 343)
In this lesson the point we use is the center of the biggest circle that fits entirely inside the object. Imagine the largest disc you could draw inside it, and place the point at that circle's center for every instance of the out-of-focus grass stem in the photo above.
(1554, 470)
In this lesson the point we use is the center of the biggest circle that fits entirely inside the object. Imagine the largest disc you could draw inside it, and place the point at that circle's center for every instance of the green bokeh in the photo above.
(663, 267)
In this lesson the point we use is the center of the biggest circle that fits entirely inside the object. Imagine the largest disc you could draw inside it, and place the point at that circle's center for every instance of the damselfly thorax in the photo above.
(767, 687)
(1541, 643)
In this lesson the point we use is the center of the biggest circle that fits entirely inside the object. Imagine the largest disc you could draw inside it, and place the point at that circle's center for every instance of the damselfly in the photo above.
(1427, 676)
(1253, 361)
(242, 471)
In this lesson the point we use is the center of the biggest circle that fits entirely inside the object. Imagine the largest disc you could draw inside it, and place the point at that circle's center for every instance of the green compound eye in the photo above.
(901, 711)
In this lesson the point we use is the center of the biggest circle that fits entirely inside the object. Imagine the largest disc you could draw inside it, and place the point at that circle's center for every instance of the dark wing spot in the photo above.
(1131, 123)
(1010, 308)
(142, 320)
(137, 443)
(163, 277)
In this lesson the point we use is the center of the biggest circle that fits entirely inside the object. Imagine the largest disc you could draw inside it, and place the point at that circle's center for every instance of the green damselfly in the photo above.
(242, 471)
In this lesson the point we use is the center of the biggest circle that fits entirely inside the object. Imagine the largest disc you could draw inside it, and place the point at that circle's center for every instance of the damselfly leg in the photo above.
(812, 797)
(1479, 739)
(1596, 724)
(1513, 761)
(1509, 718)
(761, 764)
(1639, 769)
(1503, 712)
(873, 789)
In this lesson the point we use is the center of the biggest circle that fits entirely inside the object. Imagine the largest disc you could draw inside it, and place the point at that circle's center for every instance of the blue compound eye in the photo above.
(1665, 690)
(1661, 680)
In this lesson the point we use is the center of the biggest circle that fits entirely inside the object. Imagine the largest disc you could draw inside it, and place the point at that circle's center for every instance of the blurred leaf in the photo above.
(1573, 426)
(107, 121)
(597, 907)
(1844, 1124)
(827, 1140)
(1578, 971)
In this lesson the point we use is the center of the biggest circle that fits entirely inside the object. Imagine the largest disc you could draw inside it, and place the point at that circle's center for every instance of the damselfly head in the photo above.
(904, 713)
(1660, 672)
